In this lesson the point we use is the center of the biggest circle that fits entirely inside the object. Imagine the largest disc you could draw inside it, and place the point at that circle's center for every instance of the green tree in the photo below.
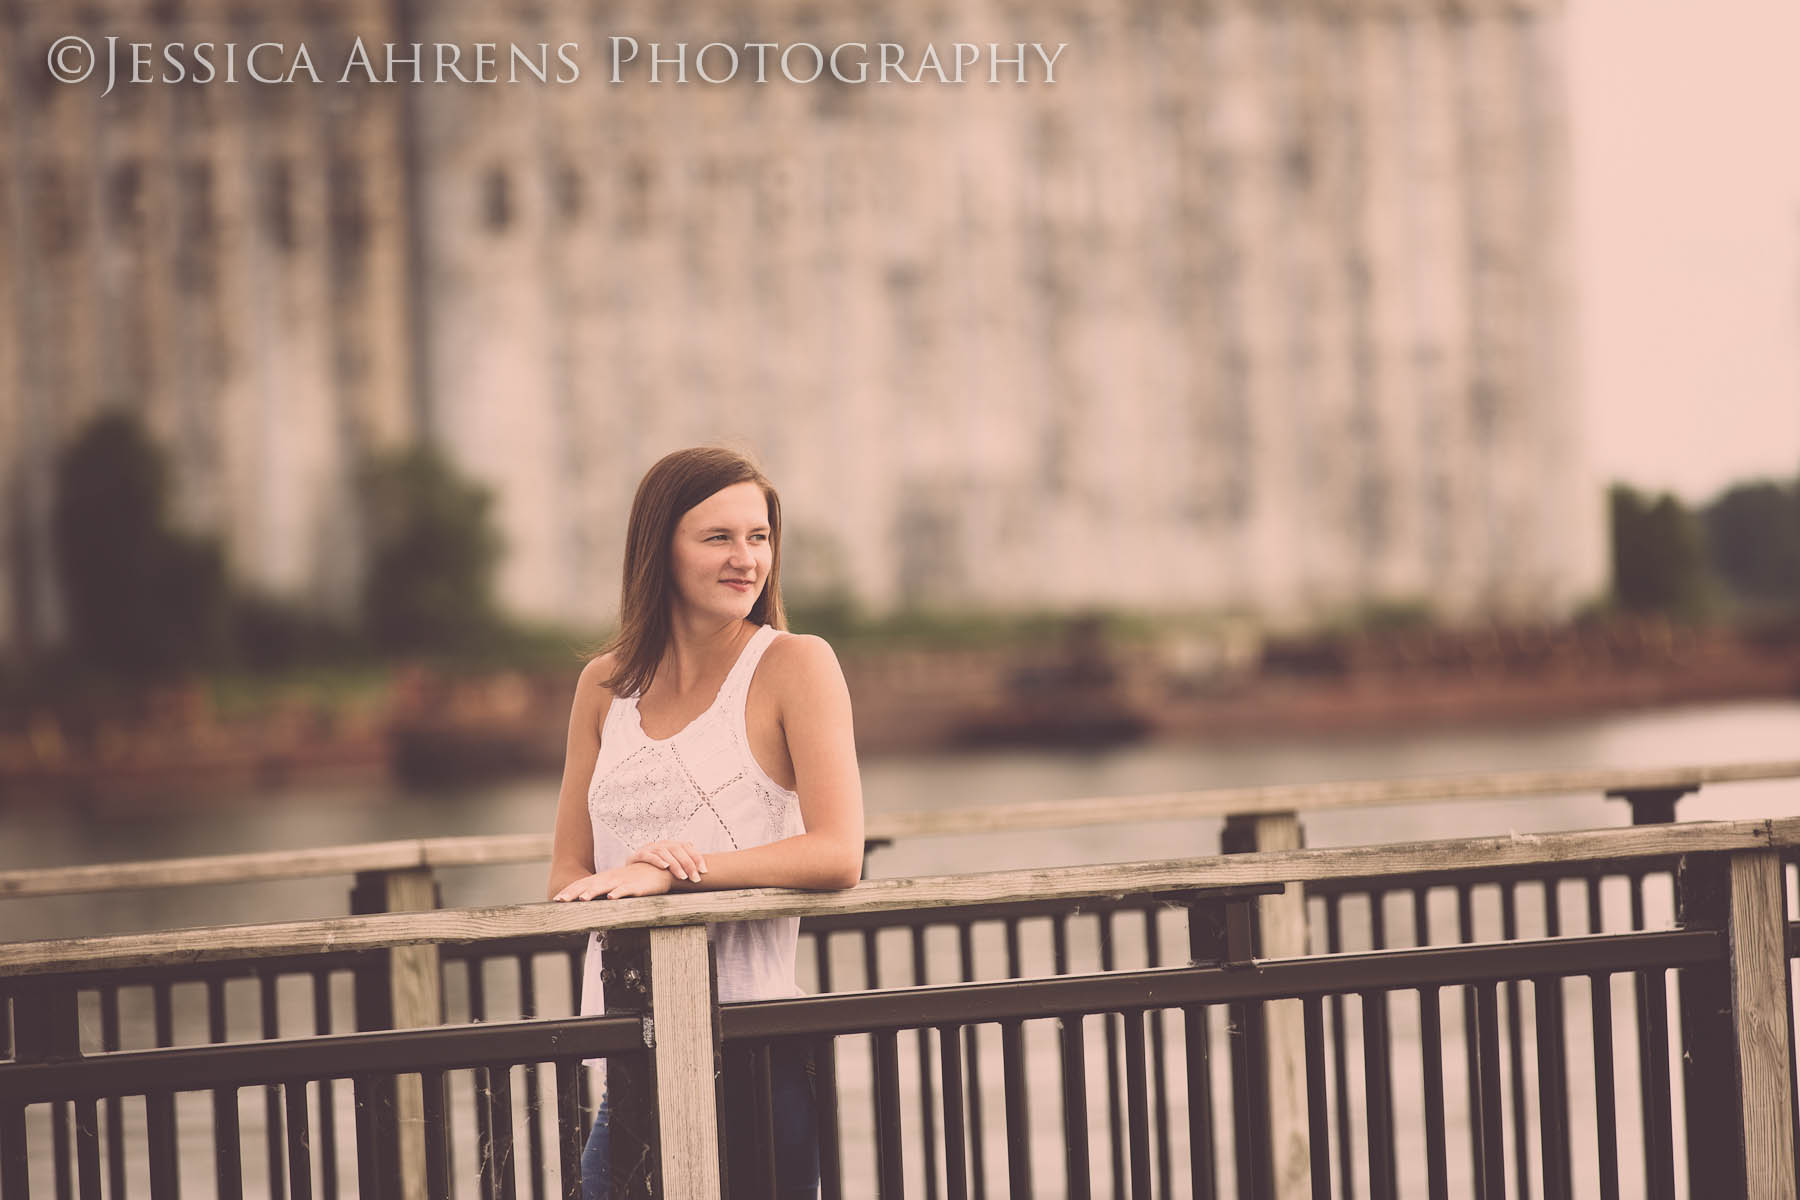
(142, 599)
(1753, 534)
(1658, 555)
(431, 549)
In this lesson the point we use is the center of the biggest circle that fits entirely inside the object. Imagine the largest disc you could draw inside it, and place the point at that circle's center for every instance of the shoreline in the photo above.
(428, 728)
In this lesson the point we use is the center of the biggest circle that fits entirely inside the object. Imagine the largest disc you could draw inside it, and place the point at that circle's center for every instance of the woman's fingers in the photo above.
(680, 859)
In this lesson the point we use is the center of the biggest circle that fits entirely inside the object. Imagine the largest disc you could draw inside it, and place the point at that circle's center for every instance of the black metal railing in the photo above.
(1479, 1030)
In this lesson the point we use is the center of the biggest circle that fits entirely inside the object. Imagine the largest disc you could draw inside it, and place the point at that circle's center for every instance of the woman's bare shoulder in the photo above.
(591, 692)
(802, 660)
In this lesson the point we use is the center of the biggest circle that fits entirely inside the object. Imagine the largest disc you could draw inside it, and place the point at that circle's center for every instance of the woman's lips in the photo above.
(742, 585)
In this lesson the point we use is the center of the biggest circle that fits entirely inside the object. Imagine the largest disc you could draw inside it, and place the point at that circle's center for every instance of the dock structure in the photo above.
(1602, 1012)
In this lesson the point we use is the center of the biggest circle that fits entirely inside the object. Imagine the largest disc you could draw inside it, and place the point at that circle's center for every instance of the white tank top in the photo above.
(701, 785)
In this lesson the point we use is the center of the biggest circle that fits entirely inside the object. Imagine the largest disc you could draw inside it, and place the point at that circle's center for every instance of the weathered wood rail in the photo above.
(1652, 793)
(1729, 955)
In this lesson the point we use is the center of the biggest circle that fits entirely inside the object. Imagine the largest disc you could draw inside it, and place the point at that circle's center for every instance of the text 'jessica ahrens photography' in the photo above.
(77, 59)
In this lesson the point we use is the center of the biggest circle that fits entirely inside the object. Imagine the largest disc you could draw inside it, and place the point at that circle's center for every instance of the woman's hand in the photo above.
(678, 858)
(615, 883)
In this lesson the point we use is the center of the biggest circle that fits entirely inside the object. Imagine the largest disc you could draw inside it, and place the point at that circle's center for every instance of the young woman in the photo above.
(710, 749)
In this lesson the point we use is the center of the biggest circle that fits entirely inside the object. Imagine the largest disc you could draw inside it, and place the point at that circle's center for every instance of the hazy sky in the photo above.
(1686, 148)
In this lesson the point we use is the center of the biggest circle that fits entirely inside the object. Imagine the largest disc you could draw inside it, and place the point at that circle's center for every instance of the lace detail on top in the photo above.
(701, 784)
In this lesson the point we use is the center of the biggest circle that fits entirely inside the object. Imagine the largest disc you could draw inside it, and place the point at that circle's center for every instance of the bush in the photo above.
(431, 549)
(142, 600)
(1659, 557)
(1753, 534)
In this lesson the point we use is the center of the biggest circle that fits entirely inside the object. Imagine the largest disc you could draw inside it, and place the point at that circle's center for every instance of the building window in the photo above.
(278, 204)
(496, 200)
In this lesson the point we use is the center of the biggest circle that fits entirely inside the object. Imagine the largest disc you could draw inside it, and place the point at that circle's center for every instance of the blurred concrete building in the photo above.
(1259, 307)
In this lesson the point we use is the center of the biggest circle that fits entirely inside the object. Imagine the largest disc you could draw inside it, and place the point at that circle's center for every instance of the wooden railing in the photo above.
(1652, 793)
(1730, 950)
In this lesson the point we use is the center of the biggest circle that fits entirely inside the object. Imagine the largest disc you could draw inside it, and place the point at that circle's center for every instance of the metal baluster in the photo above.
(165, 1175)
(228, 1163)
(435, 1110)
(534, 1106)
(577, 971)
(871, 980)
(889, 1158)
(1553, 1115)
(328, 1187)
(299, 1141)
(1137, 1103)
(927, 1093)
(831, 1157)
(1515, 1048)
(112, 1106)
(484, 1126)
(272, 1115)
(500, 1125)
(1431, 1050)
(1115, 1115)
(365, 1091)
(1318, 1119)
(87, 1149)
(1076, 1165)
(15, 1177)
(1378, 1094)
(1018, 1117)
(1605, 1103)
(1489, 1135)
(1653, 1056)
(1340, 1055)
(1378, 1067)
(1553, 1070)
(1159, 1066)
(750, 1065)
(1465, 933)
(1203, 1162)
(965, 945)
(62, 1149)
(956, 1161)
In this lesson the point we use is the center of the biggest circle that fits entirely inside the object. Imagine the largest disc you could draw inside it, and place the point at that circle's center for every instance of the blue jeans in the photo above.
(794, 1109)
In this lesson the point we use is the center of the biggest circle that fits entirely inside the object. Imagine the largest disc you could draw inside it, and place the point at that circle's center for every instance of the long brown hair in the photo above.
(669, 489)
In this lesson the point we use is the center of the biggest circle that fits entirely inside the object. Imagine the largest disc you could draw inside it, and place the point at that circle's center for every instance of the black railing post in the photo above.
(1651, 806)
(1273, 1032)
(398, 989)
(1223, 931)
(629, 1094)
(664, 1133)
(1735, 1058)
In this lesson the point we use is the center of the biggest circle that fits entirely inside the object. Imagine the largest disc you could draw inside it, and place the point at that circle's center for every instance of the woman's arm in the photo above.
(572, 846)
(813, 707)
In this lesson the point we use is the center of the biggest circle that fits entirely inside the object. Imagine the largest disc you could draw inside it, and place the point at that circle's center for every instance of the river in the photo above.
(305, 817)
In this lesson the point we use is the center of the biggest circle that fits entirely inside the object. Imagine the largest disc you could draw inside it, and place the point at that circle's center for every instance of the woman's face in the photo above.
(721, 554)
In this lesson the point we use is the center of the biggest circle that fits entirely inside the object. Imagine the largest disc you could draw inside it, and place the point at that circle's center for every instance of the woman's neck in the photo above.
(701, 648)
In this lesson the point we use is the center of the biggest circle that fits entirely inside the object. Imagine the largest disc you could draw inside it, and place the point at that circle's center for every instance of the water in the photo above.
(303, 817)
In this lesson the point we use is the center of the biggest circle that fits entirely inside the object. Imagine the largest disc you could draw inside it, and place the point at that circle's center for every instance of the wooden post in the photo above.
(1734, 1027)
(403, 992)
(685, 1007)
(1759, 998)
(663, 1111)
(1277, 1036)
